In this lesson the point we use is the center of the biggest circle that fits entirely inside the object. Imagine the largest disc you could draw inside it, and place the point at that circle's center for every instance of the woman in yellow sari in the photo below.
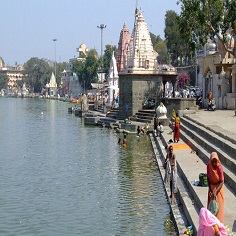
(215, 177)
(176, 126)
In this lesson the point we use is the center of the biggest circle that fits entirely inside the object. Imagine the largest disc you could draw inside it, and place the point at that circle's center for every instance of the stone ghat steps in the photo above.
(114, 113)
(144, 116)
(191, 198)
(185, 198)
(217, 130)
(204, 141)
(177, 212)
(99, 108)
(213, 128)
(108, 122)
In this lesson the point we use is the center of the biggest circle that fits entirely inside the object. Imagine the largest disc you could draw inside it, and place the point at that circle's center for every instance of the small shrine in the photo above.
(52, 86)
(113, 90)
(161, 111)
(25, 91)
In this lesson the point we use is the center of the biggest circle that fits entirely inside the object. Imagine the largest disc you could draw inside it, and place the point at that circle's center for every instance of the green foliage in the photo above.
(37, 73)
(200, 19)
(91, 68)
(177, 47)
(60, 68)
(78, 67)
(155, 39)
(3, 80)
(86, 69)
(161, 48)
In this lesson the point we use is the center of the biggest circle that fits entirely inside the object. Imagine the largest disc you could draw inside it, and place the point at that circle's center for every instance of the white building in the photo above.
(112, 80)
(52, 86)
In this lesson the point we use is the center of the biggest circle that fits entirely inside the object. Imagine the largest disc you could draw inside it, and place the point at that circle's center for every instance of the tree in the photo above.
(37, 73)
(154, 39)
(61, 66)
(86, 69)
(3, 80)
(161, 48)
(200, 19)
(177, 48)
(91, 69)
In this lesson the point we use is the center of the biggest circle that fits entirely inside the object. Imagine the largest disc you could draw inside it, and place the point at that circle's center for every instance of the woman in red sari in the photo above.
(215, 177)
(176, 127)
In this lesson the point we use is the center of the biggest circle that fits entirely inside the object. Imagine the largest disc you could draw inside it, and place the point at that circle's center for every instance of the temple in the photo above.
(141, 77)
(218, 70)
(112, 80)
(52, 86)
(122, 47)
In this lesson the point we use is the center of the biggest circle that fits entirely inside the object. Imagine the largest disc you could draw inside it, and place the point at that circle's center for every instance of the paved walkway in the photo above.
(224, 122)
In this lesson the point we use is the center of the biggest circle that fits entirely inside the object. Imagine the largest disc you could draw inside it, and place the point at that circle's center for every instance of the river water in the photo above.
(61, 177)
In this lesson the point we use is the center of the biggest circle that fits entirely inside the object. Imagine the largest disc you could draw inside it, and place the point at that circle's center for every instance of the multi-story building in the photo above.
(14, 73)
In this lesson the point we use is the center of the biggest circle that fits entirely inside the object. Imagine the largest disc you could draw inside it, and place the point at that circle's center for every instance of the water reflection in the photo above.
(61, 177)
(141, 190)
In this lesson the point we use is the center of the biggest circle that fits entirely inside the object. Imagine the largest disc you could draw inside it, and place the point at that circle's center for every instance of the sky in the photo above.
(28, 27)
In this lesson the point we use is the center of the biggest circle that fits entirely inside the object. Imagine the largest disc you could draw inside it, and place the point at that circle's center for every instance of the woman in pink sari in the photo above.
(215, 177)
(209, 225)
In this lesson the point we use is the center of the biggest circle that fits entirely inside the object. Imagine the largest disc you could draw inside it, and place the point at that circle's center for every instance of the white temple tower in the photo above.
(141, 55)
(113, 77)
(52, 86)
(141, 77)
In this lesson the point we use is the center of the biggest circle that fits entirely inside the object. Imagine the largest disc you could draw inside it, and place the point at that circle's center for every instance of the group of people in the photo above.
(210, 223)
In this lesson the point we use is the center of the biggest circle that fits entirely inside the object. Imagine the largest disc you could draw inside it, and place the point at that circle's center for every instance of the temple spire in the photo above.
(122, 47)
(140, 54)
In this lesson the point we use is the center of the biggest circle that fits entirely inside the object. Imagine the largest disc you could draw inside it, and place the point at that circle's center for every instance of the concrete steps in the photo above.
(113, 113)
(107, 122)
(204, 141)
(186, 196)
(144, 116)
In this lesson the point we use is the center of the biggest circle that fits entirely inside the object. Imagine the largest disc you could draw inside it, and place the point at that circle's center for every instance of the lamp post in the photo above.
(55, 61)
(101, 27)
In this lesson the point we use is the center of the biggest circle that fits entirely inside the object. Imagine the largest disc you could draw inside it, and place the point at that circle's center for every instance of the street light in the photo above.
(55, 40)
(102, 26)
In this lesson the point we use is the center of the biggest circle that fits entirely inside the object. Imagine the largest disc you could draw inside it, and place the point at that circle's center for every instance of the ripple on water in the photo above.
(64, 178)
